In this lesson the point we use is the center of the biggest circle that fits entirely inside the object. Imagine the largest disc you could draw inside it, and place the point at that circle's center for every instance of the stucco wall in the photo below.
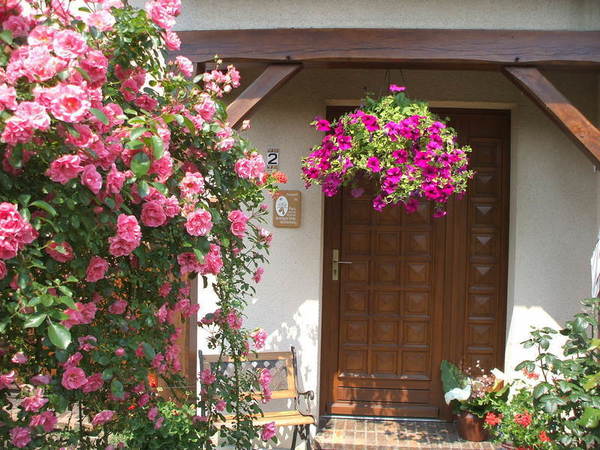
(553, 204)
(472, 14)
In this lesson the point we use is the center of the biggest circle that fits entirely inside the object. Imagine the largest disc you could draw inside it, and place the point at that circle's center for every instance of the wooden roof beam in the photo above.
(484, 49)
(273, 77)
(556, 106)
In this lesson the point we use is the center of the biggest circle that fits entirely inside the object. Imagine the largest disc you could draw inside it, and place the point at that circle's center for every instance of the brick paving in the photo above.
(353, 434)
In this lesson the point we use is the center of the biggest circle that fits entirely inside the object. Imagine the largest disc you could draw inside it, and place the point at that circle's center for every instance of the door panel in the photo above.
(414, 290)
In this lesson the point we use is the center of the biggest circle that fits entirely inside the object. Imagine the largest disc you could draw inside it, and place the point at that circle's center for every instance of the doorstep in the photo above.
(377, 433)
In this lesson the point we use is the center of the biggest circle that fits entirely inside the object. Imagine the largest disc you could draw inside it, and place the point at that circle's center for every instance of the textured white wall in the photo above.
(473, 14)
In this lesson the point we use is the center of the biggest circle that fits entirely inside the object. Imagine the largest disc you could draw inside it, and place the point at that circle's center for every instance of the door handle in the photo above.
(335, 264)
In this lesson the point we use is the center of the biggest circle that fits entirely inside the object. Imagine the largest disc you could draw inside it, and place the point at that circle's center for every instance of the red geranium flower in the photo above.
(492, 419)
(544, 437)
(523, 419)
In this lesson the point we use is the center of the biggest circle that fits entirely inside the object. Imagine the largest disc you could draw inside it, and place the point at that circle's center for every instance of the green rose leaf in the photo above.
(59, 335)
(148, 350)
(6, 36)
(137, 132)
(590, 417)
(45, 206)
(34, 321)
(100, 115)
(116, 387)
(140, 164)
(158, 148)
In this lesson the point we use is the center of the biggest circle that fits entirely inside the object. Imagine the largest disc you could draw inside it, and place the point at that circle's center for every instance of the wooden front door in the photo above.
(412, 290)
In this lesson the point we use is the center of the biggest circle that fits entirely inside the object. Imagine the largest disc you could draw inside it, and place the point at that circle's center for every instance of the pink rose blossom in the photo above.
(152, 413)
(96, 64)
(258, 274)
(268, 431)
(159, 422)
(184, 65)
(8, 97)
(73, 378)
(162, 313)
(153, 214)
(73, 360)
(16, 130)
(83, 313)
(41, 35)
(96, 269)
(238, 222)
(259, 337)
(94, 383)
(17, 25)
(192, 184)
(64, 168)
(87, 343)
(128, 238)
(40, 380)
(101, 20)
(34, 402)
(115, 180)
(120, 352)
(207, 377)
(3, 271)
(199, 223)
(60, 251)
(164, 289)
(146, 102)
(207, 108)
(91, 178)
(47, 420)
(20, 436)
(118, 307)
(160, 15)
(69, 103)
(102, 417)
(163, 168)
(68, 44)
(234, 320)
(34, 114)
(172, 41)
(19, 358)
(7, 380)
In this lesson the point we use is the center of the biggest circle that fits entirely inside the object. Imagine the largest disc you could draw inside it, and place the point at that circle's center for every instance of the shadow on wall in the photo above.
(302, 332)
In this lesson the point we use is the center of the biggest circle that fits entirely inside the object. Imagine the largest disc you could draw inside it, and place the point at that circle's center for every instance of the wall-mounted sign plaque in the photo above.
(287, 209)
(272, 159)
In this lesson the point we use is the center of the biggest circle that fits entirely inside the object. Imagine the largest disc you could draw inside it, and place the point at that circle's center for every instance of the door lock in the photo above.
(335, 265)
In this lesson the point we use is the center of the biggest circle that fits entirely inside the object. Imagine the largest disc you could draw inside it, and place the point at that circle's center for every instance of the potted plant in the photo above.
(472, 397)
(561, 392)
(516, 424)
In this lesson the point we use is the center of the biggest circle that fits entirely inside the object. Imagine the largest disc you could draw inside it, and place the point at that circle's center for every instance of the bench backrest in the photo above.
(282, 366)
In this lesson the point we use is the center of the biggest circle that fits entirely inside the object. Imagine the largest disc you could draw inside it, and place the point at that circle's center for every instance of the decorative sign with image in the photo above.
(272, 159)
(287, 209)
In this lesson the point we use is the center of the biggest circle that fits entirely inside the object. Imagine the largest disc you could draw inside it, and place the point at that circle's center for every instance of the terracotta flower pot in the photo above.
(470, 427)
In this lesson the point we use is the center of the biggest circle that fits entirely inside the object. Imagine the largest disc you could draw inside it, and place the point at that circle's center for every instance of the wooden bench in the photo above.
(284, 372)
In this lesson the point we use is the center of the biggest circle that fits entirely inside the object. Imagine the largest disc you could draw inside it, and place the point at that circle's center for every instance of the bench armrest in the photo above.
(308, 397)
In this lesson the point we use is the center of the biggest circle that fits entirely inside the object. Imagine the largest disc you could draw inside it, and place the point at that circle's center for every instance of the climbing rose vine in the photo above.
(409, 152)
(120, 182)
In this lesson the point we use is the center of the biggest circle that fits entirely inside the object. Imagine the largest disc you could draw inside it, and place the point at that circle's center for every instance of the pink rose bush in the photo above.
(121, 181)
(407, 152)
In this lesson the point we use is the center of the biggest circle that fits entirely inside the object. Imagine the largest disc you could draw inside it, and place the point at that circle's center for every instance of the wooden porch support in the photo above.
(541, 90)
(274, 76)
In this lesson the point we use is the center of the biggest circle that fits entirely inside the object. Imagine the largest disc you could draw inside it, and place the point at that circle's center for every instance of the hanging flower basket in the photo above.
(407, 150)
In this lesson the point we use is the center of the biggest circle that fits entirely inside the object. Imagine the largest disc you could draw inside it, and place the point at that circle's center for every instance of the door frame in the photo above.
(453, 330)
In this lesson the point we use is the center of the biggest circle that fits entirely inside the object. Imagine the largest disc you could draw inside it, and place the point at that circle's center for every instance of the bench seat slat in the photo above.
(281, 418)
